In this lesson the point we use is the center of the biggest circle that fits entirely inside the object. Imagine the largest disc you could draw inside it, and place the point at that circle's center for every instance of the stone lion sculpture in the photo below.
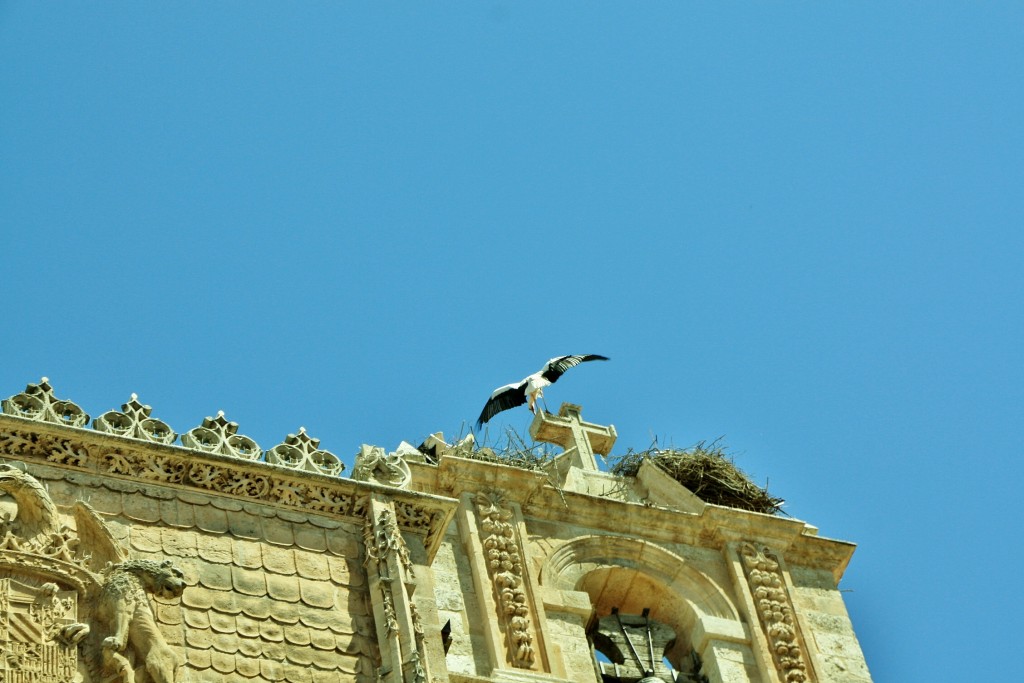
(122, 608)
(115, 626)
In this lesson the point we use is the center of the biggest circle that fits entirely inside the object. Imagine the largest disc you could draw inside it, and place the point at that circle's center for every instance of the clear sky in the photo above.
(798, 226)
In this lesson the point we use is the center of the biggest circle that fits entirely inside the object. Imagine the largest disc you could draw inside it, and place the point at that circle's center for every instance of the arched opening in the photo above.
(640, 631)
(644, 595)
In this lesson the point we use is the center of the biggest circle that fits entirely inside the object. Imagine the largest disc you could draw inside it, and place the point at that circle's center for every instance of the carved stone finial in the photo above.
(134, 421)
(37, 402)
(218, 435)
(302, 452)
(373, 465)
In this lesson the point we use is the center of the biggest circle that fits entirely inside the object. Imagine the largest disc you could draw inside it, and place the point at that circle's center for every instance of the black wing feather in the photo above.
(502, 399)
(556, 367)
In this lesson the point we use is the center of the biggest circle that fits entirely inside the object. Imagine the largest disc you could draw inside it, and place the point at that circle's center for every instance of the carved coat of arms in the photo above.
(73, 607)
(32, 623)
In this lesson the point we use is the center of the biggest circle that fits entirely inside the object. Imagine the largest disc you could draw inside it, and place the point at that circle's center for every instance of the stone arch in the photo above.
(633, 574)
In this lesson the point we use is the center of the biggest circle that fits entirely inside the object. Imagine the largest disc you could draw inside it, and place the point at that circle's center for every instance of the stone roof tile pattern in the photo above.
(293, 609)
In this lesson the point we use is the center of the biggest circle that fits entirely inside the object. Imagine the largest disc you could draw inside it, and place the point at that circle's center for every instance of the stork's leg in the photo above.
(533, 400)
(542, 400)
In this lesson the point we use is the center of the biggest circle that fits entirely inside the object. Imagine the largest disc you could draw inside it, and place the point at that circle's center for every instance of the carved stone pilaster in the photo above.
(392, 583)
(775, 612)
(505, 567)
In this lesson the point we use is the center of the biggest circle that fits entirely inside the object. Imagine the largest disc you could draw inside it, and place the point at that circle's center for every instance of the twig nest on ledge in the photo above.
(707, 472)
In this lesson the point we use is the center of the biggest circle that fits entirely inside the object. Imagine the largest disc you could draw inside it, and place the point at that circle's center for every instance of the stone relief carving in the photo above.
(380, 540)
(58, 450)
(384, 544)
(134, 421)
(263, 485)
(39, 632)
(302, 452)
(505, 566)
(124, 616)
(49, 573)
(374, 465)
(775, 611)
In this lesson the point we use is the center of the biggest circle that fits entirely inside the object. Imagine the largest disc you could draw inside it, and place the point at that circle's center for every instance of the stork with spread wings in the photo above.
(530, 388)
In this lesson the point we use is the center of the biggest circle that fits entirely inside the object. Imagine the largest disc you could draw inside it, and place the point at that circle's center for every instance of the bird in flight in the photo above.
(530, 388)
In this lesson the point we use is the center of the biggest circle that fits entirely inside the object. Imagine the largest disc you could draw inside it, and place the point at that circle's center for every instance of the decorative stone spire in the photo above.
(134, 421)
(37, 402)
(302, 452)
(218, 435)
(568, 430)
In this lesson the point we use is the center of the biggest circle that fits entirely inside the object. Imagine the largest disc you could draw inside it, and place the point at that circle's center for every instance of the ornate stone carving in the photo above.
(302, 452)
(37, 402)
(379, 541)
(47, 570)
(37, 524)
(62, 451)
(134, 421)
(373, 465)
(125, 617)
(505, 566)
(151, 468)
(775, 611)
(218, 435)
(390, 571)
(186, 468)
(38, 632)
(382, 539)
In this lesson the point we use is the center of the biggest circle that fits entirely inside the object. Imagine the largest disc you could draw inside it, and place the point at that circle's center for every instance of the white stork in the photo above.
(532, 387)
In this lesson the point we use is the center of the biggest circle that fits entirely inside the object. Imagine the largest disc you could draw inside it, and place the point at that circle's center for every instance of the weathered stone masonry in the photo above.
(126, 557)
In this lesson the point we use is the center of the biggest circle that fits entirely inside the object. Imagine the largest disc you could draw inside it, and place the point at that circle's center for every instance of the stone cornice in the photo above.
(713, 527)
(122, 457)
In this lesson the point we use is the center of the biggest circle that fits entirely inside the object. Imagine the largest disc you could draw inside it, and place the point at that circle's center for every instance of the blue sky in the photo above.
(796, 226)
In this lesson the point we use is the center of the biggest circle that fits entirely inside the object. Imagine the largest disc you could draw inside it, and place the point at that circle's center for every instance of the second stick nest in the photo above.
(708, 472)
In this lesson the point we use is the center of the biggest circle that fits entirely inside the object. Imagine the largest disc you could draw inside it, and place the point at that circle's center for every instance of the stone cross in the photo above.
(568, 430)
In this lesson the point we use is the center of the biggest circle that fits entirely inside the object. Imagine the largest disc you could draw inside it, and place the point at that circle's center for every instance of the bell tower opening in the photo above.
(641, 630)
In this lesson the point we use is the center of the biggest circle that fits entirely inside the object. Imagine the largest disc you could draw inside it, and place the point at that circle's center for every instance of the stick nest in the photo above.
(707, 471)
(513, 451)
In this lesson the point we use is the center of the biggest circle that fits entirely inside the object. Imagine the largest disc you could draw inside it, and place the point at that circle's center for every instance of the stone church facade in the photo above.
(129, 554)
